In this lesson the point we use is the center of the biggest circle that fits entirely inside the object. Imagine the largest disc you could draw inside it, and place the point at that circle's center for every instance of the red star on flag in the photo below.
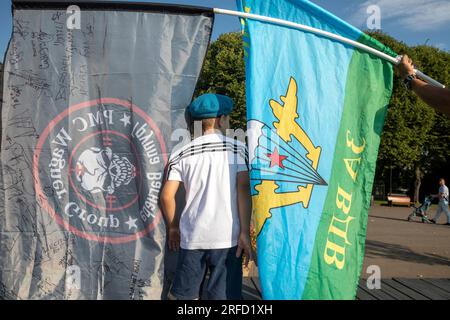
(276, 159)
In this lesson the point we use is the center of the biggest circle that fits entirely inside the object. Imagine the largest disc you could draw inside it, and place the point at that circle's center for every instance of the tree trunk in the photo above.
(417, 184)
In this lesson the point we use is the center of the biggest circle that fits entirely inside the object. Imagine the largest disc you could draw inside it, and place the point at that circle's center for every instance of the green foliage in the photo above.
(415, 135)
(224, 73)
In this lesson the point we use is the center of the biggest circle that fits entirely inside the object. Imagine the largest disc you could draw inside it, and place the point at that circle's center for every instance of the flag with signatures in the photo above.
(316, 110)
(87, 117)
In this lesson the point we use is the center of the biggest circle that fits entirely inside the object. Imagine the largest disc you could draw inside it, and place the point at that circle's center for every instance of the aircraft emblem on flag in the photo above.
(276, 161)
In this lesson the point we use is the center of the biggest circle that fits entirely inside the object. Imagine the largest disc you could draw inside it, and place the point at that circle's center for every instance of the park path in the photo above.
(405, 249)
(414, 258)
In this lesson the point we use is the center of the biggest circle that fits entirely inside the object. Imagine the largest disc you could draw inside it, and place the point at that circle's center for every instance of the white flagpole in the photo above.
(327, 34)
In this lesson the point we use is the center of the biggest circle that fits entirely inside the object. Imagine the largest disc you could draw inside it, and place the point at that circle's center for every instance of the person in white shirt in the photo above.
(443, 202)
(214, 227)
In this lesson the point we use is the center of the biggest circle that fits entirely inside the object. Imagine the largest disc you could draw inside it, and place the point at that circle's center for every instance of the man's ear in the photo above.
(222, 121)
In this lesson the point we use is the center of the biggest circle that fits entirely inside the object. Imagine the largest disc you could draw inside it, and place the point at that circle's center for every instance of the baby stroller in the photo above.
(421, 212)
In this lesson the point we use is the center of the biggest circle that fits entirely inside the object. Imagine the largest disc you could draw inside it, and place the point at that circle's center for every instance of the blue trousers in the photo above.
(442, 207)
(225, 279)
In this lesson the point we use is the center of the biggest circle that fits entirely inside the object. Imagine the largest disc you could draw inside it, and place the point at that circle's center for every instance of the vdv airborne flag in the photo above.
(316, 109)
(88, 113)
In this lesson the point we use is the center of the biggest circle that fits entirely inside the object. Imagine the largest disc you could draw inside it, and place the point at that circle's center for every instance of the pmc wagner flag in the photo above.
(87, 118)
(316, 109)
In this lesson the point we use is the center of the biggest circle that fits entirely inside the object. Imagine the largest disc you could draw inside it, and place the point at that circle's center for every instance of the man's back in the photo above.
(208, 167)
(215, 222)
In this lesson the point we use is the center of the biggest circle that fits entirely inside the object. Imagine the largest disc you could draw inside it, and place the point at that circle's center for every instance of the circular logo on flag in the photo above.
(98, 169)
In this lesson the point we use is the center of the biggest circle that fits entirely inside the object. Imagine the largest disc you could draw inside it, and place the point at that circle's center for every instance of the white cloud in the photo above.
(415, 15)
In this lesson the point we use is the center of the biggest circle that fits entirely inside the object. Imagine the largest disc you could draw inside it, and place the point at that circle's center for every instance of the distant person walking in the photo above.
(438, 98)
(443, 202)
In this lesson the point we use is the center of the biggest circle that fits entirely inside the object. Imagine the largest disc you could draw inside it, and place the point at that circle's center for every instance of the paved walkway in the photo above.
(390, 289)
(405, 249)
(414, 258)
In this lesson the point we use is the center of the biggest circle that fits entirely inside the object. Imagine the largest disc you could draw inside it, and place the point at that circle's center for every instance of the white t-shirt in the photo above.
(444, 191)
(208, 167)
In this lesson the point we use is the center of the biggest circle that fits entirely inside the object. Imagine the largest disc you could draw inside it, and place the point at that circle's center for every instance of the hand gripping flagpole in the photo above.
(327, 34)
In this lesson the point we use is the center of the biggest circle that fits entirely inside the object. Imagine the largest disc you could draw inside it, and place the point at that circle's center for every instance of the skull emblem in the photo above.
(100, 170)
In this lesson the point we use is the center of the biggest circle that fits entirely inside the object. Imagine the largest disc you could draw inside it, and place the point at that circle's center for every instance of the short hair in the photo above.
(442, 179)
(208, 123)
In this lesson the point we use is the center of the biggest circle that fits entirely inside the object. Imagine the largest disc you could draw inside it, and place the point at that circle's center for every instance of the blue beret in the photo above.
(210, 105)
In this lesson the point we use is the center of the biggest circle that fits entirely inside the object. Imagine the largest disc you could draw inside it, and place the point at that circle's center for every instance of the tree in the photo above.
(436, 63)
(224, 73)
(416, 139)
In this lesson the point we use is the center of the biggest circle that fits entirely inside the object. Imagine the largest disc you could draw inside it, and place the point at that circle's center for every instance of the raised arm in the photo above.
(438, 98)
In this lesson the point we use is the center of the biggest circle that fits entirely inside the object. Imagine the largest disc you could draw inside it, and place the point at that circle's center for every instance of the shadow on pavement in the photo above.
(376, 249)
(417, 220)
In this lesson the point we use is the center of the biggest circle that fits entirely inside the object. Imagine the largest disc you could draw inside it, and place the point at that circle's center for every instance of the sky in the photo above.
(414, 22)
